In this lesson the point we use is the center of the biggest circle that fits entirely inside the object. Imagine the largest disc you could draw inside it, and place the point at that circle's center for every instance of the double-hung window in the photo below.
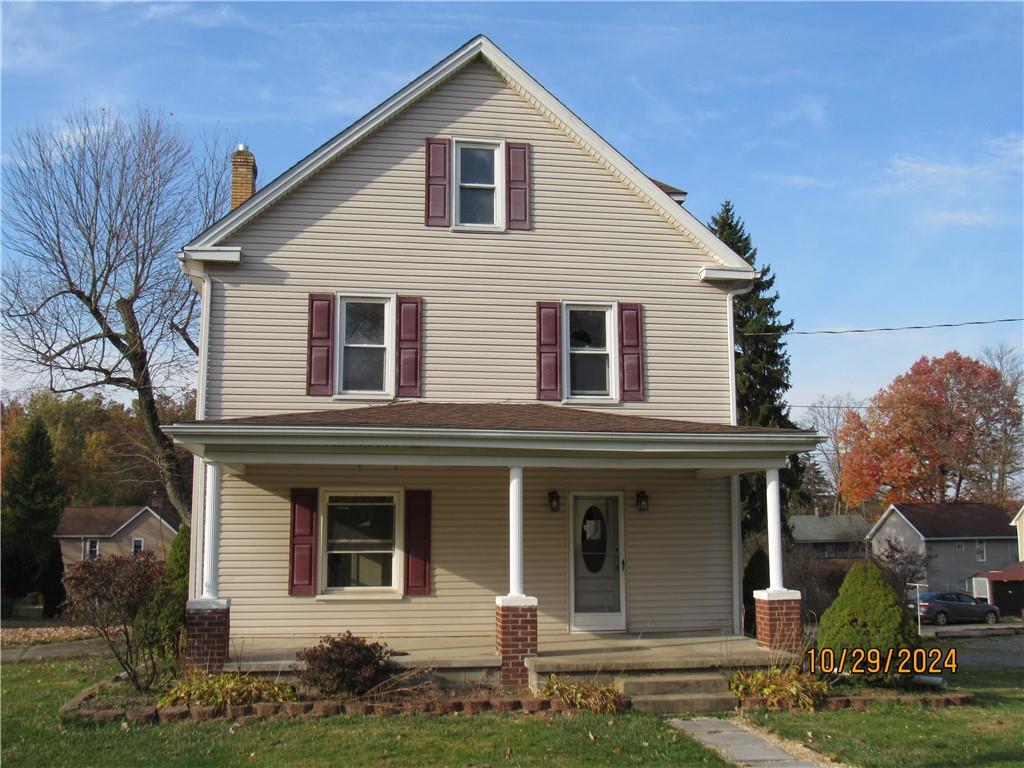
(590, 347)
(138, 545)
(979, 551)
(362, 540)
(366, 333)
(92, 549)
(479, 184)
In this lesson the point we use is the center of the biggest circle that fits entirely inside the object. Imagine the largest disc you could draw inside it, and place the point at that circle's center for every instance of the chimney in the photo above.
(243, 175)
(157, 501)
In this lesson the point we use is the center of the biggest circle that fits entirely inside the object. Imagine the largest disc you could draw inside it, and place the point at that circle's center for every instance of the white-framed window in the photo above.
(590, 346)
(979, 551)
(362, 541)
(92, 549)
(960, 546)
(478, 188)
(366, 338)
(138, 545)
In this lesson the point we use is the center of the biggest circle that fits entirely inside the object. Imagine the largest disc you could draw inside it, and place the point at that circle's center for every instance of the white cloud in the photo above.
(33, 38)
(807, 109)
(797, 181)
(959, 218)
(1002, 156)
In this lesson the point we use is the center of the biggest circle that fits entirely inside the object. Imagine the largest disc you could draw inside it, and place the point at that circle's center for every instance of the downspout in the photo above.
(734, 480)
(197, 273)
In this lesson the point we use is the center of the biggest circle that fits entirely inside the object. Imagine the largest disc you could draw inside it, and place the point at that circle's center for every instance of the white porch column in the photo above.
(774, 508)
(515, 532)
(211, 527)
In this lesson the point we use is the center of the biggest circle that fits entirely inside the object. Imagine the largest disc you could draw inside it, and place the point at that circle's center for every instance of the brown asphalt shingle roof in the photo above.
(494, 416)
(958, 521)
(103, 521)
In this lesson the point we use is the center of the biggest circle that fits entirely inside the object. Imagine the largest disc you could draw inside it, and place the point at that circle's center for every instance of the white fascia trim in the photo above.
(130, 520)
(1017, 518)
(720, 274)
(885, 516)
(223, 254)
(479, 45)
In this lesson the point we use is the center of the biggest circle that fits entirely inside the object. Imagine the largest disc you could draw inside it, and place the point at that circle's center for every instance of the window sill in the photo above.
(476, 228)
(347, 597)
(591, 400)
(363, 396)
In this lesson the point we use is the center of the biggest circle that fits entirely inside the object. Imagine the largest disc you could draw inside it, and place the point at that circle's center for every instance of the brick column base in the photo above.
(515, 637)
(779, 625)
(207, 629)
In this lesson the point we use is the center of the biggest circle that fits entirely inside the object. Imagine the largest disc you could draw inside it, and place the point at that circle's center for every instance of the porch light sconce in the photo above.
(643, 501)
(554, 502)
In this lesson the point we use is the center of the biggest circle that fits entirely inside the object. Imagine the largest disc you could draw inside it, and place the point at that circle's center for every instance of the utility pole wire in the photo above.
(880, 330)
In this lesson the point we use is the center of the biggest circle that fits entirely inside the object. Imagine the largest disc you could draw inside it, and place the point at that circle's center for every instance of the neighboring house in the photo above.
(464, 366)
(958, 539)
(830, 536)
(89, 532)
(1003, 588)
(1018, 524)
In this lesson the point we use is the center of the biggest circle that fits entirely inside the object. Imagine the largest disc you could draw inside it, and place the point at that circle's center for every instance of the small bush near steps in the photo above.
(345, 665)
(780, 687)
(602, 699)
(224, 689)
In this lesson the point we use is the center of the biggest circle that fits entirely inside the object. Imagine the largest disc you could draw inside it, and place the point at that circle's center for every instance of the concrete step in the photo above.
(677, 703)
(693, 682)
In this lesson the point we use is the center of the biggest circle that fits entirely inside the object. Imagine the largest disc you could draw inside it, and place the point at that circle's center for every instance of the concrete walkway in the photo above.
(74, 649)
(738, 745)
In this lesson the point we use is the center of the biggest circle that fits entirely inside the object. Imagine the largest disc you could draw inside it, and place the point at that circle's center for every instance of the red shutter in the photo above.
(631, 351)
(409, 347)
(302, 554)
(517, 185)
(549, 350)
(417, 542)
(320, 352)
(437, 196)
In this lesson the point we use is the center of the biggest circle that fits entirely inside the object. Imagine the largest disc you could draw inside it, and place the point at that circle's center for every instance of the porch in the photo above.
(585, 657)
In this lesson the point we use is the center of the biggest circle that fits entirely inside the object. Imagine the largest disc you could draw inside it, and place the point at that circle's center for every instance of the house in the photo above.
(1018, 524)
(89, 532)
(467, 376)
(830, 536)
(1003, 587)
(957, 539)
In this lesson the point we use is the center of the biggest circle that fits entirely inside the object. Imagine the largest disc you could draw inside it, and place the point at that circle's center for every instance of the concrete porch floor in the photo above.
(581, 654)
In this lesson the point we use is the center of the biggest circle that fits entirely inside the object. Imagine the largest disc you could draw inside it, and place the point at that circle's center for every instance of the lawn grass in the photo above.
(989, 733)
(33, 735)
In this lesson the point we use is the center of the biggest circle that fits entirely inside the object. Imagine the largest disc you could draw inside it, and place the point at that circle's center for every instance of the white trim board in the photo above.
(479, 46)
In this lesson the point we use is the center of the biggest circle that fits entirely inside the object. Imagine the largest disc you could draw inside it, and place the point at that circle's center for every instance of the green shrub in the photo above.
(345, 665)
(780, 686)
(164, 617)
(603, 699)
(226, 688)
(867, 614)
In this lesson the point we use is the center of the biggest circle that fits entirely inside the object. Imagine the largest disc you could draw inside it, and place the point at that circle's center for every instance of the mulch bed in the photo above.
(17, 636)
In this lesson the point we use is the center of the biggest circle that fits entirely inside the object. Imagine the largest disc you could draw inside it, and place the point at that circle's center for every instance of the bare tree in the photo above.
(95, 209)
(1001, 464)
(826, 417)
(901, 565)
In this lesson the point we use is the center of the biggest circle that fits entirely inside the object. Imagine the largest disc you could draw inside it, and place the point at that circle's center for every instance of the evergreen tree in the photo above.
(762, 366)
(32, 506)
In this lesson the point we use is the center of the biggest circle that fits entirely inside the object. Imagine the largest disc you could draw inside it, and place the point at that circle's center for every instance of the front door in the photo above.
(597, 588)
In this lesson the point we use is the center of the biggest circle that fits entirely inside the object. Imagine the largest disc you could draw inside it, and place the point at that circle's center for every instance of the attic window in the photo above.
(479, 177)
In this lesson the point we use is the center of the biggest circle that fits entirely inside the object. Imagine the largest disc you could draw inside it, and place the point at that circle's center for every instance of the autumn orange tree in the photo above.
(928, 436)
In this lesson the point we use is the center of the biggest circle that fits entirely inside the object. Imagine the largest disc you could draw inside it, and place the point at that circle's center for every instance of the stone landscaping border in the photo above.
(78, 709)
(858, 703)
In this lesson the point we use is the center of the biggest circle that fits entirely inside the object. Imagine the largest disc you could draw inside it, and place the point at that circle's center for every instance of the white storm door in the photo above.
(597, 583)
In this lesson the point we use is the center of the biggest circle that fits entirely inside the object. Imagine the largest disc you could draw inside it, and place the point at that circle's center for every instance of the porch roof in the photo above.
(485, 434)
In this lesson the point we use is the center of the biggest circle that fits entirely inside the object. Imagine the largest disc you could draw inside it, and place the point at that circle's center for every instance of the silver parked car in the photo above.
(944, 607)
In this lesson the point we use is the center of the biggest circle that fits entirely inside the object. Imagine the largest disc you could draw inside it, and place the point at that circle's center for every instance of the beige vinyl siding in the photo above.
(677, 576)
(357, 226)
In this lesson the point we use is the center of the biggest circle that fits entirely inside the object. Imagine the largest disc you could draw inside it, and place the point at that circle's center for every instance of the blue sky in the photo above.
(874, 150)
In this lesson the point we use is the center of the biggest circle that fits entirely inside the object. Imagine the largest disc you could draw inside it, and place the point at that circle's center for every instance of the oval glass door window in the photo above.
(593, 539)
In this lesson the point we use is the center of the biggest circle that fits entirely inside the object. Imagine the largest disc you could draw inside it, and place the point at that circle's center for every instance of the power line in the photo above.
(881, 330)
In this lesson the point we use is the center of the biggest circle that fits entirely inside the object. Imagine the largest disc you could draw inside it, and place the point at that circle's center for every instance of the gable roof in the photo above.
(479, 47)
(833, 528)
(104, 522)
(952, 521)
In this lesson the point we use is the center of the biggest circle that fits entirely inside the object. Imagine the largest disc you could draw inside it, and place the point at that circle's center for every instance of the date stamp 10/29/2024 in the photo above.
(884, 661)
